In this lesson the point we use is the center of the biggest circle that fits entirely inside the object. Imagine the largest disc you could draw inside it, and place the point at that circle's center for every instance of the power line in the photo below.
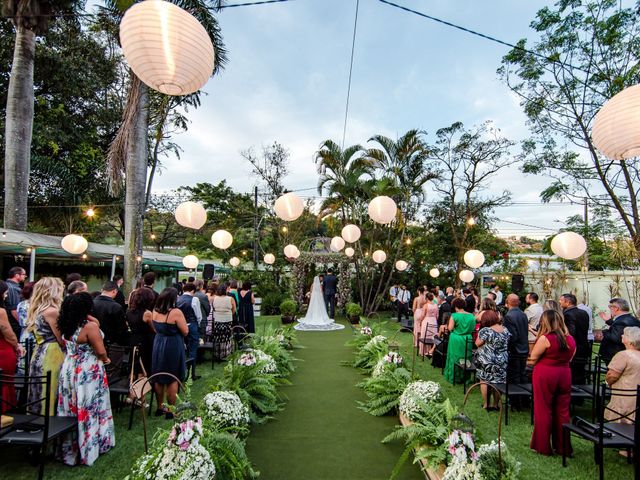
(353, 47)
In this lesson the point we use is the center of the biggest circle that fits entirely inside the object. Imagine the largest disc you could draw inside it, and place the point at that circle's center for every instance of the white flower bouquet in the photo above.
(225, 410)
(247, 359)
(463, 466)
(270, 365)
(425, 391)
(366, 331)
(390, 360)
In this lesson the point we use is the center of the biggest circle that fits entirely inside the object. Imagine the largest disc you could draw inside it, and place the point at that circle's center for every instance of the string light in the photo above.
(285, 229)
(84, 256)
(138, 258)
(29, 250)
(408, 241)
(90, 212)
(471, 221)
(153, 236)
(4, 234)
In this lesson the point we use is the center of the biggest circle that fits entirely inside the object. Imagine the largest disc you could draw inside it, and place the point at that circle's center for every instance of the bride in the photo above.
(317, 317)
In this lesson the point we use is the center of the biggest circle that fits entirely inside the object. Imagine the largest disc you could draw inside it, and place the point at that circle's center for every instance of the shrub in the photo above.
(489, 464)
(288, 308)
(353, 310)
(271, 303)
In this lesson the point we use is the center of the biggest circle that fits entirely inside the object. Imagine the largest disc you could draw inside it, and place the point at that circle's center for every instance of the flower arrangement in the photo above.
(495, 466)
(366, 331)
(390, 360)
(368, 354)
(225, 410)
(270, 365)
(422, 391)
(462, 449)
(185, 433)
(247, 359)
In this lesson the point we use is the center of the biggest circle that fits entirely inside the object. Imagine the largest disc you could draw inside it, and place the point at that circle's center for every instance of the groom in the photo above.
(330, 285)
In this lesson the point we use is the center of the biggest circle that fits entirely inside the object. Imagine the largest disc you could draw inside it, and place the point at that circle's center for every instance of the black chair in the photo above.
(118, 372)
(608, 433)
(34, 430)
(508, 390)
(589, 391)
(427, 341)
(207, 346)
(465, 365)
(21, 391)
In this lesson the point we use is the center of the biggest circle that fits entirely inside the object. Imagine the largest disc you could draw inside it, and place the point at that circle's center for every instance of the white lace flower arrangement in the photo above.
(182, 458)
(366, 331)
(252, 357)
(225, 410)
(421, 390)
(390, 360)
(463, 466)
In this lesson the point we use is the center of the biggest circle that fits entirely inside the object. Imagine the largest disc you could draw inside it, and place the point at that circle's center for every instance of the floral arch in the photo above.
(341, 265)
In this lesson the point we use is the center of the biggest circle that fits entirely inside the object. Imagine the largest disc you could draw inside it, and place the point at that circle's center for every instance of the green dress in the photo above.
(464, 325)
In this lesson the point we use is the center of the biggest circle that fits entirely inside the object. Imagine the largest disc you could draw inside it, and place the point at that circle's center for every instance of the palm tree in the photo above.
(341, 176)
(30, 18)
(129, 151)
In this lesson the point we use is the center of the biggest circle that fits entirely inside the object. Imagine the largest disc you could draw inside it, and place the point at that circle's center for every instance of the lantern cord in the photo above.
(353, 46)
(478, 34)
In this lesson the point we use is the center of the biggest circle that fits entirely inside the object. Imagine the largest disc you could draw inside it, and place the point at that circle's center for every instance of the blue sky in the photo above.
(286, 81)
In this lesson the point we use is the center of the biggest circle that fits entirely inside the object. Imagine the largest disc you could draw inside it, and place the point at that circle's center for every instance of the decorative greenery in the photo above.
(271, 303)
(490, 466)
(343, 269)
(371, 352)
(275, 346)
(228, 455)
(353, 309)
(225, 411)
(417, 393)
(384, 391)
(288, 308)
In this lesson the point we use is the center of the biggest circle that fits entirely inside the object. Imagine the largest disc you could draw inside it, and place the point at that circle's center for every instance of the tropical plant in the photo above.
(494, 465)
(371, 352)
(383, 392)
(229, 455)
(275, 346)
(368, 330)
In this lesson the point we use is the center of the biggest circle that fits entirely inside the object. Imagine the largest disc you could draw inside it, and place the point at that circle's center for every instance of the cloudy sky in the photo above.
(287, 76)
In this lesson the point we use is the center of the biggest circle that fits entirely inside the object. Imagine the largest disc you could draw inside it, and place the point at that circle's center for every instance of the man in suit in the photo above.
(611, 340)
(469, 301)
(404, 296)
(577, 322)
(516, 322)
(110, 315)
(330, 286)
(189, 305)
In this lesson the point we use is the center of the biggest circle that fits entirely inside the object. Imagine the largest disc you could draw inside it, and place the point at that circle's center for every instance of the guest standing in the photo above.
(10, 351)
(577, 322)
(148, 281)
(461, 326)
(619, 320)
(168, 349)
(110, 315)
(119, 298)
(418, 314)
(624, 373)
(533, 313)
(518, 325)
(140, 321)
(493, 355)
(550, 359)
(17, 275)
(245, 309)
(469, 301)
(83, 391)
(48, 353)
(223, 310)
(205, 306)
(429, 325)
(25, 336)
(404, 296)
(190, 307)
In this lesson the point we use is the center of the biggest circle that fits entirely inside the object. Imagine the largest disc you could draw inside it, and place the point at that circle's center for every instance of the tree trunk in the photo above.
(18, 131)
(135, 182)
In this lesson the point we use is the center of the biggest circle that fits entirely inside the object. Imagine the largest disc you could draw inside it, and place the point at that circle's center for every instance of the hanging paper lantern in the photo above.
(474, 258)
(191, 214)
(401, 265)
(379, 256)
(349, 252)
(568, 245)
(269, 258)
(190, 261)
(74, 244)
(221, 238)
(289, 206)
(234, 261)
(337, 244)
(350, 233)
(466, 275)
(166, 47)
(616, 129)
(382, 209)
(434, 272)
(291, 251)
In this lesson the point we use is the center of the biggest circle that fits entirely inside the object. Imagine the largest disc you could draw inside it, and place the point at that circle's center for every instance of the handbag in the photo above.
(140, 386)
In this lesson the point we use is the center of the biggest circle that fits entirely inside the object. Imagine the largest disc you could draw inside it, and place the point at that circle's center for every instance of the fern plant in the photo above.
(361, 339)
(369, 354)
(272, 345)
(384, 391)
(228, 455)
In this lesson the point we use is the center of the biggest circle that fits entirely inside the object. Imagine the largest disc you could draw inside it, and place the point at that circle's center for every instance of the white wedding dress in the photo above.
(317, 318)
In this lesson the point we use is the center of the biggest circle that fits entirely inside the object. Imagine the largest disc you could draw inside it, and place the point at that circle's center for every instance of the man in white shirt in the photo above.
(393, 293)
(498, 293)
(589, 311)
(403, 298)
(533, 313)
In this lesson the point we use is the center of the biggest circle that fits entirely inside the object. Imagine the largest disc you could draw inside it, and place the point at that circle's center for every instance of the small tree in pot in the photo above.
(353, 312)
(288, 310)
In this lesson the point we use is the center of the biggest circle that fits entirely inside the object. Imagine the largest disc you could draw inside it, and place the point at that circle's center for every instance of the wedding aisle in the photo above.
(321, 434)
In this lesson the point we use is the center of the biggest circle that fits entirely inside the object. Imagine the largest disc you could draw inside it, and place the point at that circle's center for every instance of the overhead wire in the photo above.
(353, 47)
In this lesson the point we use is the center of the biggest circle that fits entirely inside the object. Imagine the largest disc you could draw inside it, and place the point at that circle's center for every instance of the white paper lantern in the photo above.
(349, 252)
(466, 275)
(379, 256)
(221, 238)
(337, 244)
(568, 245)
(190, 261)
(269, 259)
(166, 47)
(74, 244)
(191, 214)
(401, 265)
(291, 251)
(616, 127)
(434, 272)
(474, 258)
(382, 209)
(234, 261)
(350, 233)
(289, 207)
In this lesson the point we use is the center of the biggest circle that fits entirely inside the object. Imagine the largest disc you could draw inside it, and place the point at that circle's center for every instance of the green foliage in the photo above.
(371, 352)
(228, 455)
(384, 391)
(361, 339)
(353, 309)
(491, 467)
(288, 308)
(271, 303)
(276, 347)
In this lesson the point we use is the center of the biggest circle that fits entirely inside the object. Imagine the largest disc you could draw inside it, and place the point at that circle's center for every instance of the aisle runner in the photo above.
(321, 434)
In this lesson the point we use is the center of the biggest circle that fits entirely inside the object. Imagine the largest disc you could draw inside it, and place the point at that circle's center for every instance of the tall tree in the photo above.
(30, 18)
(586, 52)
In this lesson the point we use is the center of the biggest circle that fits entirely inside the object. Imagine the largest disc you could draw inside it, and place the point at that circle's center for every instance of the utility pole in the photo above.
(255, 228)
(586, 232)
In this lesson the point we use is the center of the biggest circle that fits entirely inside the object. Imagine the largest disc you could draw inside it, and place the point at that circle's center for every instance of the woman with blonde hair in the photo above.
(48, 354)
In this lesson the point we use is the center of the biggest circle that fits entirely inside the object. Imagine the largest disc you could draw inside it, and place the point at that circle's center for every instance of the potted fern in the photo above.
(288, 310)
(353, 313)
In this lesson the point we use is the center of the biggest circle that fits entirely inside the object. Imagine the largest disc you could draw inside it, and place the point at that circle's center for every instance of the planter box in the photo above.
(429, 473)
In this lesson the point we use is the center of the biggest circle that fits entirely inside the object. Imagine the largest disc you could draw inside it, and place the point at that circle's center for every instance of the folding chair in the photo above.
(465, 365)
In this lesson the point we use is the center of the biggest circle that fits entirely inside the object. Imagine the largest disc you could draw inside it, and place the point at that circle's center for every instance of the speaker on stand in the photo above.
(208, 271)
(517, 283)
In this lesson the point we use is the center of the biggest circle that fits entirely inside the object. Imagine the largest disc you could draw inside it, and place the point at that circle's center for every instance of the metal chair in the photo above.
(465, 365)
(508, 390)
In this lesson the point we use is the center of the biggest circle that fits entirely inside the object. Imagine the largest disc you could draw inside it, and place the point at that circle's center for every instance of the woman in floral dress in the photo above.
(83, 390)
(493, 356)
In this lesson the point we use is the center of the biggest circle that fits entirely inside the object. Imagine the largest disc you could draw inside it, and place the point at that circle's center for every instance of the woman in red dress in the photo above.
(550, 357)
(10, 351)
